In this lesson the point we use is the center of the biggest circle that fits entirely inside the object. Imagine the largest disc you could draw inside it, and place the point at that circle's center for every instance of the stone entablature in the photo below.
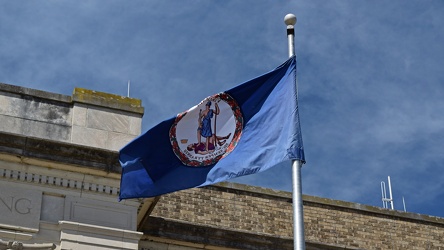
(66, 194)
(89, 118)
(42, 202)
(59, 170)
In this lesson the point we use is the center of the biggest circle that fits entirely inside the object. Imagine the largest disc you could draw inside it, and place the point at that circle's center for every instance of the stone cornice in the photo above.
(81, 95)
(35, 93)
(59, 152)
(16, 245)
(46, 162)
(85, 164)
(108, 100)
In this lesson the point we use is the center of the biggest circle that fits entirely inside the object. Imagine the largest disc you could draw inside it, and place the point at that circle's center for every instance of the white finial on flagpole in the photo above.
(298, 213)
(290, 21)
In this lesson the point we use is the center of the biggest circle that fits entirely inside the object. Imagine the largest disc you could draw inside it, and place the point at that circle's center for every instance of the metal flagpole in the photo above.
(298, 213)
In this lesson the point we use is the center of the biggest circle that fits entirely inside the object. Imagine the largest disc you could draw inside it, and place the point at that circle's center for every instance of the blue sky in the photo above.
(370, 76)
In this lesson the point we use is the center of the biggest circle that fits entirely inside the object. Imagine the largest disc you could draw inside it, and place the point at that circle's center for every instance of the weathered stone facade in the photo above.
(59, 171)
(59, 183)
(88, 118)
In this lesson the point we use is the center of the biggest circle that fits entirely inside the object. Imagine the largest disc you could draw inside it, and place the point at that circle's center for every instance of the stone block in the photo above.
(34, 128)
(35, 108)
(102, 99)
(135, 125)
(86, 236)
(107, 119)
(79, 115)
(45, 130)
(10, 124)
(117, 140)
(52, 208)
(89, 137)
(19, 207)
(49, 232)
(100, 213)
(6, 100)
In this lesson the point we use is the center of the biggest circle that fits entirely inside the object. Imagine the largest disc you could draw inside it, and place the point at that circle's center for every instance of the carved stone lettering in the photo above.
(6, 203)
(20, 205)
(23, 206)
(16, 205)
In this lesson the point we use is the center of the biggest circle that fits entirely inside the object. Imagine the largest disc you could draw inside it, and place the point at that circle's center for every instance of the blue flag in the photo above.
(245, 130)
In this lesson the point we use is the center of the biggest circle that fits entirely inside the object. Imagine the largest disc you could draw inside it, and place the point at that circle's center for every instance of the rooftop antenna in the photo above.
(403, 203)
(128, 88)
(385, 199)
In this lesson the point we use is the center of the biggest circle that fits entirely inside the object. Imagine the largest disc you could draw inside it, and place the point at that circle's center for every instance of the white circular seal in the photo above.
(208, 131)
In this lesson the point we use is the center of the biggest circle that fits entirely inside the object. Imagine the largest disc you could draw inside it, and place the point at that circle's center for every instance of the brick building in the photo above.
(59, 183)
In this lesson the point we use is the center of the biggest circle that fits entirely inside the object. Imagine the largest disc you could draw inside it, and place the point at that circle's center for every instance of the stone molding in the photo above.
(81, 227)
(60, 152)
(107, 100)
(84, 236)
(16, 245)
(16, 235)
(34, 92)
(81, 95)
(20, 153)
(57, 181)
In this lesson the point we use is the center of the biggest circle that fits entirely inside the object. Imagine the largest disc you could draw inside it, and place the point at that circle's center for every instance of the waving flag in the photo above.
(247, 129)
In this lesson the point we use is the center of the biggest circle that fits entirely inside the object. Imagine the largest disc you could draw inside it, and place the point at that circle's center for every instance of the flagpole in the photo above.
(298, 213)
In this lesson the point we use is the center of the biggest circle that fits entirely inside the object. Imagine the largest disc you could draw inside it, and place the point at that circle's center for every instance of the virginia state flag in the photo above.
(245, 130)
